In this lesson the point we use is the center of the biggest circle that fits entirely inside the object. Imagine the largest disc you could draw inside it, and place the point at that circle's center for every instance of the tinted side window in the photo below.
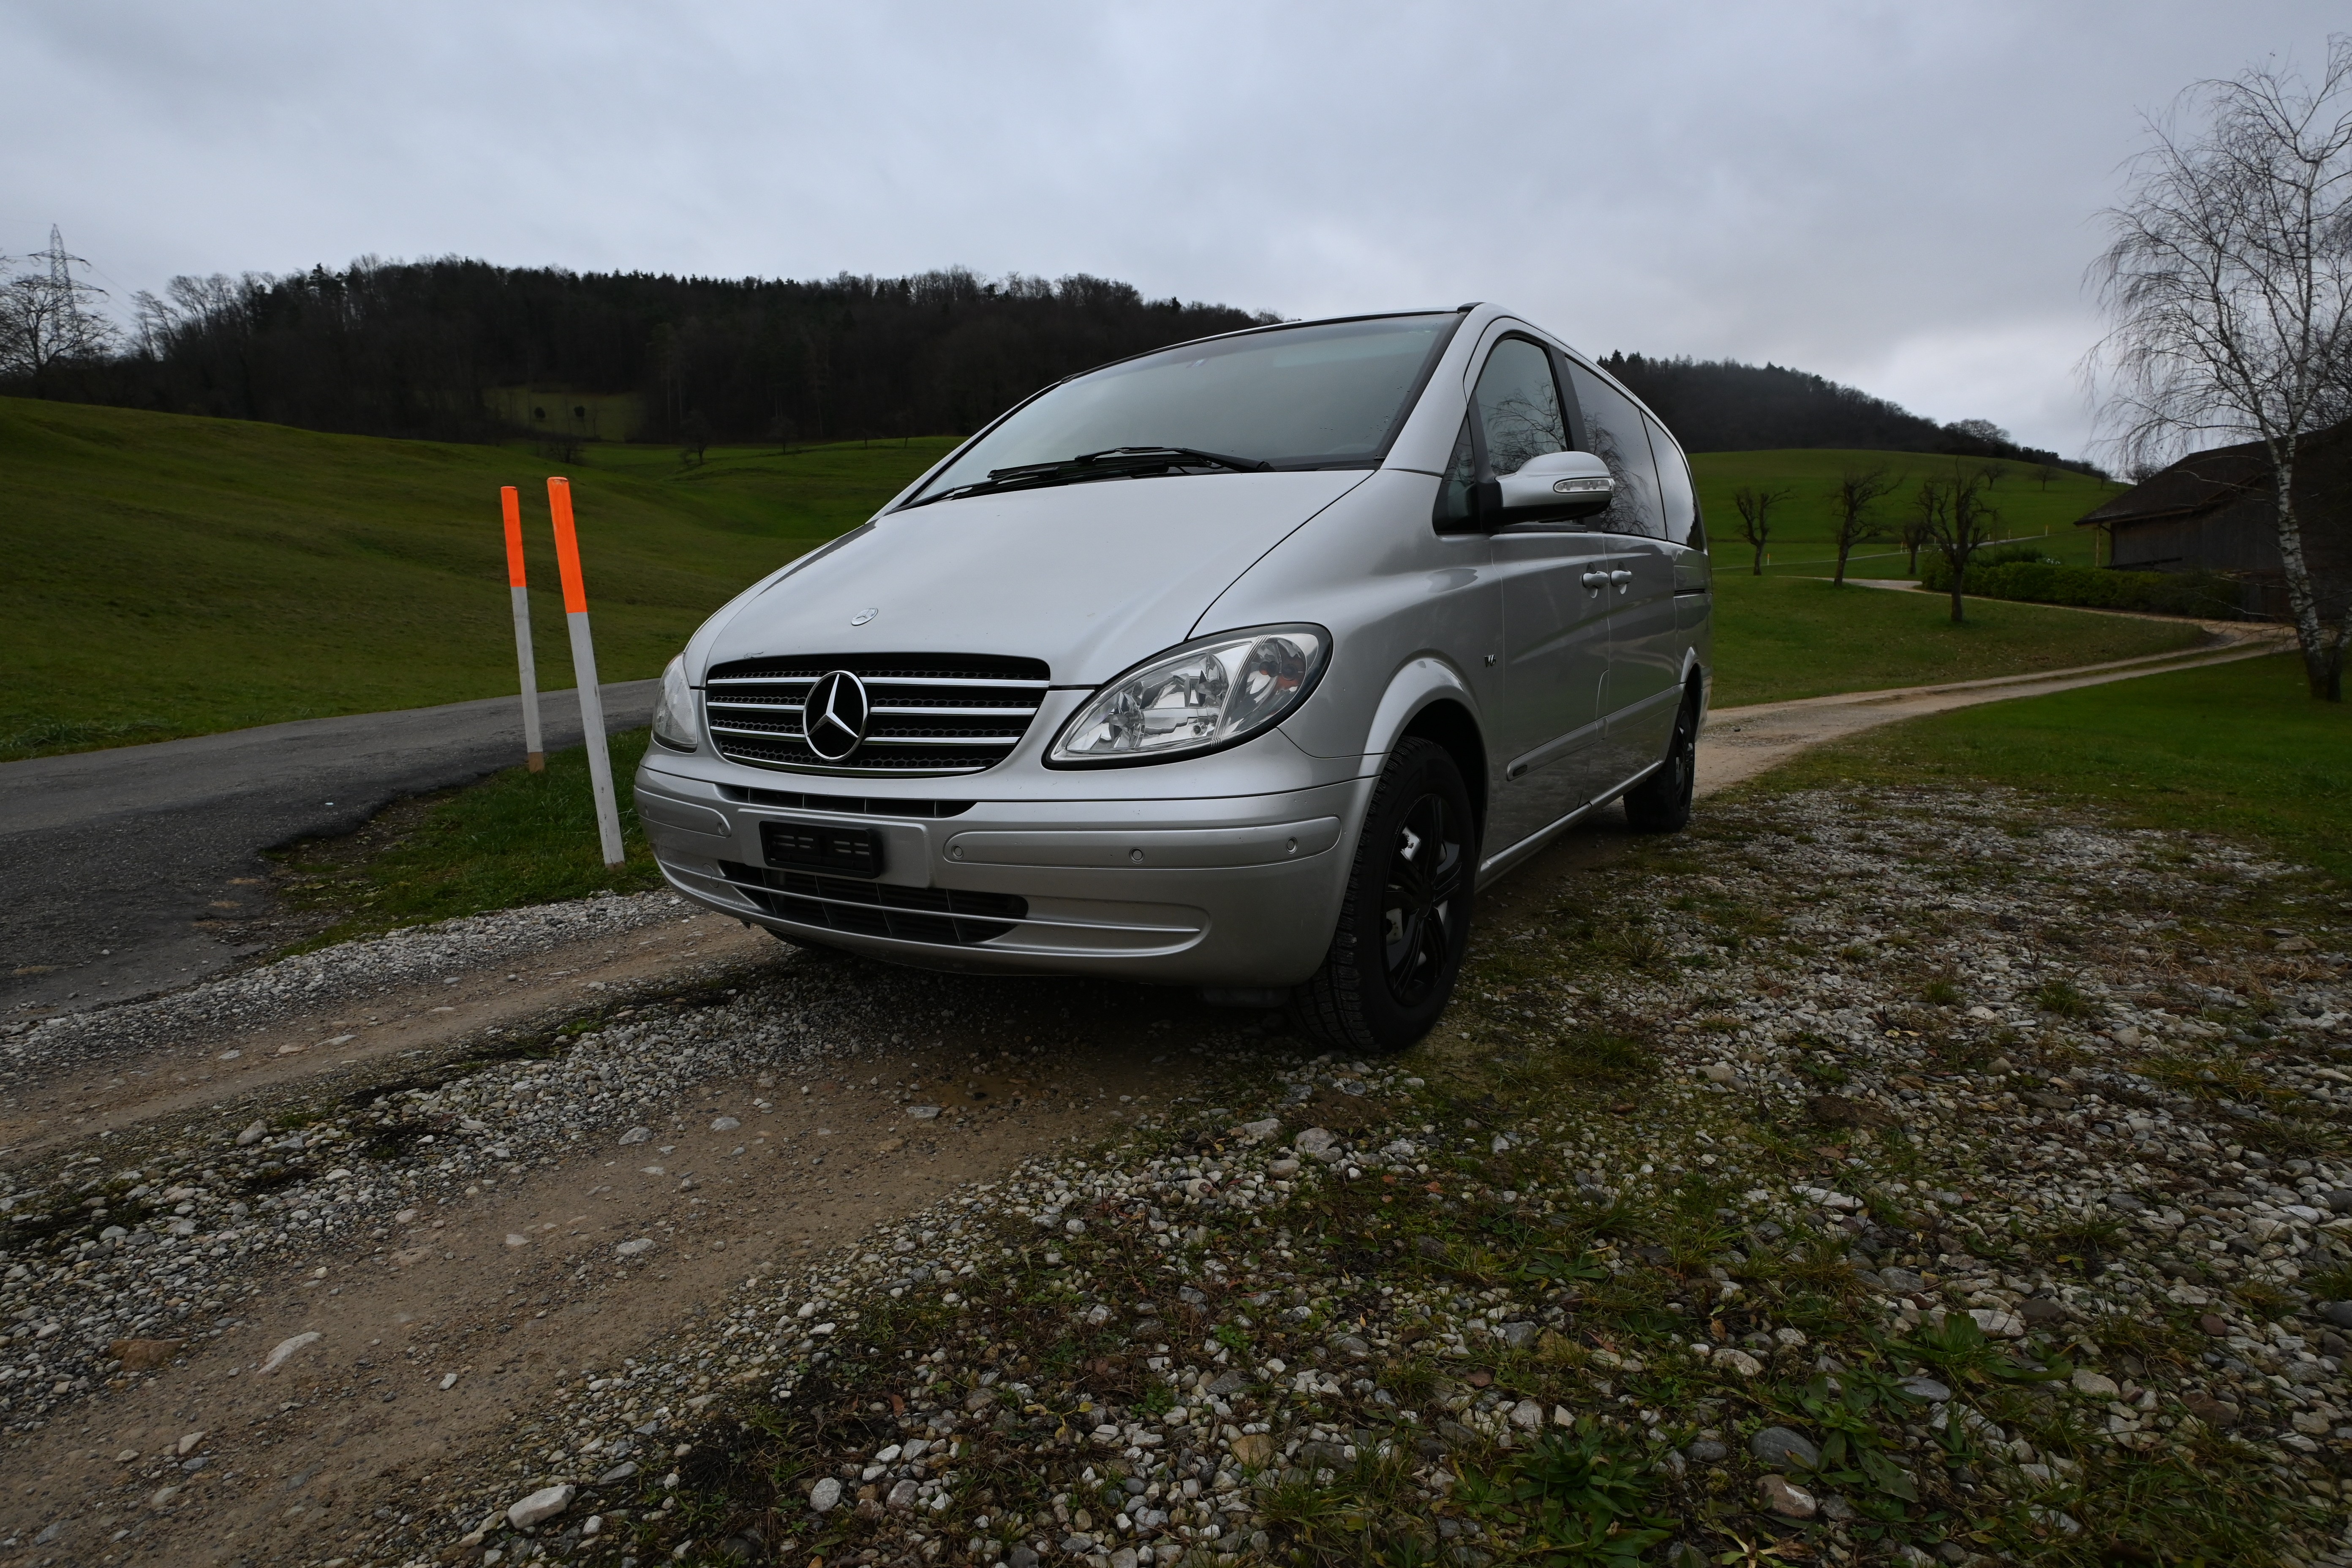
(1679, 501)
(1616, 429)
(1519, 406)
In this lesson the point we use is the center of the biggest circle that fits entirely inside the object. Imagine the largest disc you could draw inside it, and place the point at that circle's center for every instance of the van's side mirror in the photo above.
(1556, 484)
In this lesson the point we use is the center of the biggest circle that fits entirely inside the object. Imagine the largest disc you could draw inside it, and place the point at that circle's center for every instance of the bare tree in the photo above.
(1913, 532)
(1756, 518)
(48, 316)
(2228, 282)
(1956, 516)
(1858, 490)
(2046, 475)
(153, 324)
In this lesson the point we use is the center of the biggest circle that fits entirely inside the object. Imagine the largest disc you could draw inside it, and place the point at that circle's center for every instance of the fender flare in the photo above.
(1693, 667)
(1418, 682)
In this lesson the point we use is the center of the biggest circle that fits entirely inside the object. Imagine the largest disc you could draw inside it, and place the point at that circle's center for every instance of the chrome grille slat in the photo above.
(734, 703)
(931, 713)
(870, 680)
(1024, 714)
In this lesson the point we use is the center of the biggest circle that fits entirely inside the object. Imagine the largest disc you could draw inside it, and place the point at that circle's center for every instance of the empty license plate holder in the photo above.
(822, 846)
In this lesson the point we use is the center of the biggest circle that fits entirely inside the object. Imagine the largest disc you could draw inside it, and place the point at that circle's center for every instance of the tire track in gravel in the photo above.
(507, 1273)
(186, 1066)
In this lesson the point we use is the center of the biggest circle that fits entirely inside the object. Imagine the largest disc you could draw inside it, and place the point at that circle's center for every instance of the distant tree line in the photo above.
(417, 349)
(414, 349)
(1720, 406)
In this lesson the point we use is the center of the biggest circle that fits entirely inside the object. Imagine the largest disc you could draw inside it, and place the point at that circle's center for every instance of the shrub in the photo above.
(2002, 573)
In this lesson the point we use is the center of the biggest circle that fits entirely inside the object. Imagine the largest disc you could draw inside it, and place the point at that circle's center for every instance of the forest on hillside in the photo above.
(422, 349)
(463, 350)
(1720, 406)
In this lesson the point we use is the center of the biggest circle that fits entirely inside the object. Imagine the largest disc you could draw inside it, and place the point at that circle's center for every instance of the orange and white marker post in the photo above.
(584, 666)
(534, 748)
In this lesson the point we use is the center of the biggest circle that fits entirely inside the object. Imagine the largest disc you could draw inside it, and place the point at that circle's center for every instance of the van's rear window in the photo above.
(1331, 395)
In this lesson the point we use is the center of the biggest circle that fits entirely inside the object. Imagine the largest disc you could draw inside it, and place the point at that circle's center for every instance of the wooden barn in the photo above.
(2212, 511)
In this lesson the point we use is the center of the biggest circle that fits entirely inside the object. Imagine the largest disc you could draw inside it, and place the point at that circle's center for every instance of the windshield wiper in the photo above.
(1175, 457)
(1111, 462)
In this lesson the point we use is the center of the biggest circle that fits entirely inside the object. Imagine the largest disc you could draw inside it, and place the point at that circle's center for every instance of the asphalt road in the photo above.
(133, 869)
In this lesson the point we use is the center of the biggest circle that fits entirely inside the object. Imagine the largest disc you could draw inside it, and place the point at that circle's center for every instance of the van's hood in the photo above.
(1088, 577)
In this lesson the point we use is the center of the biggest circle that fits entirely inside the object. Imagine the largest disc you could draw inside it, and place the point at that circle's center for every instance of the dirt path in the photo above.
(1740, 743)
(512, 1286)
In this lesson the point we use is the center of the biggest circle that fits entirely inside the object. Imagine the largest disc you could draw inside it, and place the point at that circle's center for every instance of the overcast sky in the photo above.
(1902, 196)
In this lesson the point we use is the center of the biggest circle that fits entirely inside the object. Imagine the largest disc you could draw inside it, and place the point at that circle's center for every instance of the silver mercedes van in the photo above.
(1239, 665)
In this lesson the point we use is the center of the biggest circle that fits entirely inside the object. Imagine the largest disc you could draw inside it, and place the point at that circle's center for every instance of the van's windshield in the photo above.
(1329, 395)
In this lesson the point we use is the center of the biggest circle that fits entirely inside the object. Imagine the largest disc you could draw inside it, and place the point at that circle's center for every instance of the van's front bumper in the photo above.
(1235, 892)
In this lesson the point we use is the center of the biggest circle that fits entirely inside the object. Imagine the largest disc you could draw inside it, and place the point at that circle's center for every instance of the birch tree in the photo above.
(2227, 285)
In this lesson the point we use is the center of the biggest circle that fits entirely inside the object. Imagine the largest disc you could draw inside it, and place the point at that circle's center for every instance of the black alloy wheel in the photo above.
(1422, 900)
(1404, 923)
(1662, 802)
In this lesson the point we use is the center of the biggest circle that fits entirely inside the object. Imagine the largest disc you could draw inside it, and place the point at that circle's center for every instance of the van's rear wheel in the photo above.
(1406, 922)
(1662, 802)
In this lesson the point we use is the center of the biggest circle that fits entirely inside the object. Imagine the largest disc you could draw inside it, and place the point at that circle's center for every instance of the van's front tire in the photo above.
(1405, 924)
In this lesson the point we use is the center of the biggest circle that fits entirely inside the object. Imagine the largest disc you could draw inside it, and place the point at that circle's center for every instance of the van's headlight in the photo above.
(673, 709)
(1205, 695)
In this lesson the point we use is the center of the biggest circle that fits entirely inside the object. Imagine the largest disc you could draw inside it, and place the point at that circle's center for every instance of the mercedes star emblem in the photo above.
(832, 719)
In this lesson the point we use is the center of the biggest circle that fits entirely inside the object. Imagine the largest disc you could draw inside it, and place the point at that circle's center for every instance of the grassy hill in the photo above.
(1801, 525)
(169, 576)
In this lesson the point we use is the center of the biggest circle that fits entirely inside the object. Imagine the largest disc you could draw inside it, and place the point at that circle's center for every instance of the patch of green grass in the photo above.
(1586, 1494)
(516, 838)
(1801, 525)
(1781, 638)
(2060, 997)
(2332, 1284)
(1604, 1056)
(2233, 749)
(171, 575)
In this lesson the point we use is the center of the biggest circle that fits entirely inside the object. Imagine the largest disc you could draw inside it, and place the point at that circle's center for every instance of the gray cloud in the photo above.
(1899, 195)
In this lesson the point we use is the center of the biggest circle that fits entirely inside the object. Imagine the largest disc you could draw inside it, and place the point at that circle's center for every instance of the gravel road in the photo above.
(350, 1256)
(2018, 1247)
(134, 869)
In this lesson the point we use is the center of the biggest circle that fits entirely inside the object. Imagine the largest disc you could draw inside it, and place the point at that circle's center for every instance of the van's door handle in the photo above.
(1596, 579)
(1621, 579)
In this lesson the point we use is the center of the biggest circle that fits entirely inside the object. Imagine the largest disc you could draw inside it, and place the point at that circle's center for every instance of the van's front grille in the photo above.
(942, 915)
(928, 713)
